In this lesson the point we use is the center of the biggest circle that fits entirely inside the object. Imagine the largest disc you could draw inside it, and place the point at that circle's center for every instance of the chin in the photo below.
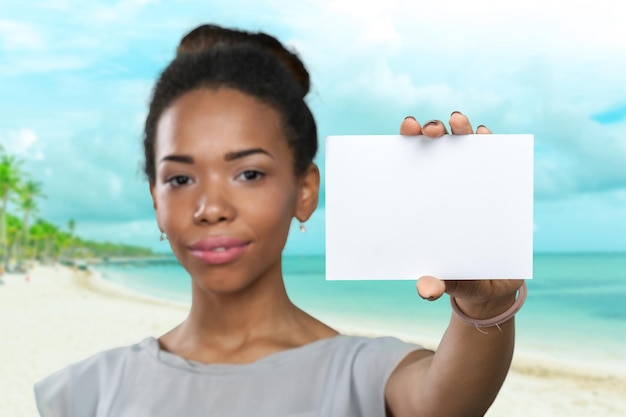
(223, 280)
(232, 277)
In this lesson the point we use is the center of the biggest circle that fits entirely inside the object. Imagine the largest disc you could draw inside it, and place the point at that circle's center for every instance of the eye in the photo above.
(250, 175)
(178, 180)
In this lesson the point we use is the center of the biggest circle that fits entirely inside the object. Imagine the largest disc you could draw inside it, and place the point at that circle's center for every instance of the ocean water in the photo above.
(576, 307)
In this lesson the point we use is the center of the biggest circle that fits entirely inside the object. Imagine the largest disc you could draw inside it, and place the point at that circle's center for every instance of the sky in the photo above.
(76, 77)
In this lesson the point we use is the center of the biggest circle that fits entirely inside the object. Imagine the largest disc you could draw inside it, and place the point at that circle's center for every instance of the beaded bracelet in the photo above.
(497, 320)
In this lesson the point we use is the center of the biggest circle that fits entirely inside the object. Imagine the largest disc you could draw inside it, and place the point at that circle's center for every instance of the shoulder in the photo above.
(377, 353)
(107, 361)
(377, 356)
(385, 346)
(75, 390)
(360, 369)
(363, 360)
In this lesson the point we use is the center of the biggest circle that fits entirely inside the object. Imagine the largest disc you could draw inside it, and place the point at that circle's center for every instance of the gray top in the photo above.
(341, 376)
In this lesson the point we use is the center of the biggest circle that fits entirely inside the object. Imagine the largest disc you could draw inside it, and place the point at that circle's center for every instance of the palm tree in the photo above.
(71, 226)
(10, 172)
(27, 195)
(47, 240)
(13, 231)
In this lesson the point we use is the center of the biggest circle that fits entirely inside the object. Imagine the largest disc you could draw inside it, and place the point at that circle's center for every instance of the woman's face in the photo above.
(225, 190)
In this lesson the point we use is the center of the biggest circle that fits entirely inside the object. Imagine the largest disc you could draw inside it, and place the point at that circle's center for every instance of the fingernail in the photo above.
(479, 126)
(456, 111)
(410, 117)
(431, 298)
(432, 123)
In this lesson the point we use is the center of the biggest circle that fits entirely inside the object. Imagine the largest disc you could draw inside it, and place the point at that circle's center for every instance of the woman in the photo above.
(229, 147)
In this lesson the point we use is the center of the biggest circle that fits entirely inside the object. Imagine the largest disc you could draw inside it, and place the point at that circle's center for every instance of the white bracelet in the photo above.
(497, 320)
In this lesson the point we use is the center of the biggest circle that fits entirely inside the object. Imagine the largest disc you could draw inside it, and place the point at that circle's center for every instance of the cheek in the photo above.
(273, 209)
(171, 211)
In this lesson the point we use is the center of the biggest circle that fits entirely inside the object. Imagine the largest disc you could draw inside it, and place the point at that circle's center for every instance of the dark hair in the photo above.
(247, 66)
(208, 36)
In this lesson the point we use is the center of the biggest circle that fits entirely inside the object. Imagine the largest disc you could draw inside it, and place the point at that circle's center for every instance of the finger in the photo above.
(410, 126)
(434, 129)
(460, 124)
(483, 290)
(482, 130)
(430, 288)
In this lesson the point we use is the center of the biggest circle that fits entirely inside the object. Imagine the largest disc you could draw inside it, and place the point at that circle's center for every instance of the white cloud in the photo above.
(359, 10)
(18, 36)
(382, 33)
(23, 143)
(122, 10)
(42, 63)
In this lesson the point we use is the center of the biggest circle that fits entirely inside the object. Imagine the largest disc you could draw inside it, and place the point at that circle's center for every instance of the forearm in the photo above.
(469, 366)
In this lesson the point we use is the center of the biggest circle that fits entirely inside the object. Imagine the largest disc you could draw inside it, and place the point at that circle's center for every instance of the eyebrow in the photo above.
(186, 159)
(178, 158)
(246, 152)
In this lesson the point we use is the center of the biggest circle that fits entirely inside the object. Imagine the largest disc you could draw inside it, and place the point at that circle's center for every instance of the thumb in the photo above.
(430, 288)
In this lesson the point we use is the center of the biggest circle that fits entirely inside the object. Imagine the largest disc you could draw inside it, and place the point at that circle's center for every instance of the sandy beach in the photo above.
(54, 316)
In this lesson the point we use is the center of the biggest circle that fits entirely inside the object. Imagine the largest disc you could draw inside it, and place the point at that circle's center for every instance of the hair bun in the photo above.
(206, 37)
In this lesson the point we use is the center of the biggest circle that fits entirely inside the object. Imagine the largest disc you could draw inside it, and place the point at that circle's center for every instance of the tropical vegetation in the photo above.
(26, 237)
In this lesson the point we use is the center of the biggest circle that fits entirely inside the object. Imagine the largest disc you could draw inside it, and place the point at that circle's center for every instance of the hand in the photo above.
(479, 299)
(459, 124)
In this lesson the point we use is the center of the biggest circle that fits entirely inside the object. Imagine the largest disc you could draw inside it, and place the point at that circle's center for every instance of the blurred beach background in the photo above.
(84, 269)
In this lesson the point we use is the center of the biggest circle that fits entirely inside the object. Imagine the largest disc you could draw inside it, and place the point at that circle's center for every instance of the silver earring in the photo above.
(302, 227)
(162, 237)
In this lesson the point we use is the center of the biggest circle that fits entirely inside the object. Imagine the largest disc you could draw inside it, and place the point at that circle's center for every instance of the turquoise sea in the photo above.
(576, 307)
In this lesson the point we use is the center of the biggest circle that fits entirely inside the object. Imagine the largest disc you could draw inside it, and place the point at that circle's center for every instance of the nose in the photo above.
(213, 205)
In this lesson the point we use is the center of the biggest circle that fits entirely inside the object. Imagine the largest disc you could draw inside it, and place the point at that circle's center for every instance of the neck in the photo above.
(246, 313)
(243, 326)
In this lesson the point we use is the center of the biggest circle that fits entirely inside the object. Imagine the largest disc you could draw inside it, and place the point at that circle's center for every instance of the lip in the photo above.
(218, 250)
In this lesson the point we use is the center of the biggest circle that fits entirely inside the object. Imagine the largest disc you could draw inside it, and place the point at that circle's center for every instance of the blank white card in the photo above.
(456, 207)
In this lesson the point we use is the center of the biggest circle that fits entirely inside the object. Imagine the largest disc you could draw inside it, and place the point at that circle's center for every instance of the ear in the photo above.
(154, 204)
(153, 194)
(308, 193)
